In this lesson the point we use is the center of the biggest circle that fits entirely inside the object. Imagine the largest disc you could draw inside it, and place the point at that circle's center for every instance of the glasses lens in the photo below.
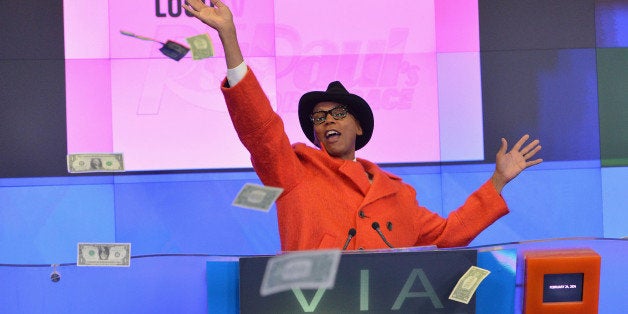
(339, 113)
(318, 117)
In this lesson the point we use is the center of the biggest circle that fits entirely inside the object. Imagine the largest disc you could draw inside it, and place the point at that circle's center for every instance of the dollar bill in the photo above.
(201, 46)
(97, 162)
(467, 284)
(104, 254)
(258, 197)
(305, 270)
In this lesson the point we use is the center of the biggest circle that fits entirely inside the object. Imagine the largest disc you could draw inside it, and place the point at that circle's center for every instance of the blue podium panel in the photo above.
(222, 286)
(496, 294)
(391, 282)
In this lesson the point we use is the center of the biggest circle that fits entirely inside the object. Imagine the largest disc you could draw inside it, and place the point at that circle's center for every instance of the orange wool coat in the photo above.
(324, 196)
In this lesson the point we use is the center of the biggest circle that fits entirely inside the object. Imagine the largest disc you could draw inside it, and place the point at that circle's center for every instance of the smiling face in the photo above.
(337, 136)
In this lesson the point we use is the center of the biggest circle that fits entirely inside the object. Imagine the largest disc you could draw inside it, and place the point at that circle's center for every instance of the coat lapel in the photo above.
(384, 184)
(355, 172)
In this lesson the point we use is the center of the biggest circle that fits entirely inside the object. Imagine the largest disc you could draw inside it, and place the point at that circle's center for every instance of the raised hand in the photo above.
(510, 164)
(220, 18)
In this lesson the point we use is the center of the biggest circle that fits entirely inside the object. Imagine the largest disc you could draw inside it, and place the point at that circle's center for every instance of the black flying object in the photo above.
(170, 49)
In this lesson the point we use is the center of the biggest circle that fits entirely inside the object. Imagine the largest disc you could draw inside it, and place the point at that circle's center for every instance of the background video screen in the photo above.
(418, 67)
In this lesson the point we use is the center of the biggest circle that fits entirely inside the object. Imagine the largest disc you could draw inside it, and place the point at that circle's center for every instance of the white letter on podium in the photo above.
(308, 307)
(429, 290)
(364, 290)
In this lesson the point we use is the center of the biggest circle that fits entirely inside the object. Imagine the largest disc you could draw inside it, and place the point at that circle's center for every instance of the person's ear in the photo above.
(316, 141)
(359, 130)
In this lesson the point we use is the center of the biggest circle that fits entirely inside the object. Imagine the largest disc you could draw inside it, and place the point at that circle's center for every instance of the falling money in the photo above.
(300, 270)
(468, 283)
(258, 197)
(79, 163)
(104, 254)
(201, 46)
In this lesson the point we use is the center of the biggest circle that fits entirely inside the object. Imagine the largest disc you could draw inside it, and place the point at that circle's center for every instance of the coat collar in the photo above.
(384, 183)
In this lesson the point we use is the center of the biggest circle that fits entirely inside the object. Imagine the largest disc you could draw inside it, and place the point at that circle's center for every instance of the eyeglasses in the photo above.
(338, 113)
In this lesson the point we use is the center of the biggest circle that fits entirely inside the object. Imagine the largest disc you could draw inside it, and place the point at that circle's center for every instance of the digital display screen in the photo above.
(418, 67)
(562, 287)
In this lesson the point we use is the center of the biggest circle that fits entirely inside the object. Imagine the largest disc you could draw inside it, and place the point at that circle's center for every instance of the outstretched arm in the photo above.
(219, 17)
(510, 164)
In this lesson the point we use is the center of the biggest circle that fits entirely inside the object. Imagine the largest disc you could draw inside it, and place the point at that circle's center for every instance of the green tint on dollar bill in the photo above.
(300, 270)
(95, 162)
(104, 254)
(258, 197)
(467, 284)
(201, 46)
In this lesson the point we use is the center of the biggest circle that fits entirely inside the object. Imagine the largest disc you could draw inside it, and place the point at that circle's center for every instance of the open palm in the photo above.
(217, 17)
(509, 164)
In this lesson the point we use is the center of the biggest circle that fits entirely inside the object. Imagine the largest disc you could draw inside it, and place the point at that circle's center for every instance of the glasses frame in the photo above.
(330, 112)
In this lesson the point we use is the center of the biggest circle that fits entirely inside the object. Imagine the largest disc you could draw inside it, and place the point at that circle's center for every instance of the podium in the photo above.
(390, 281)
(204, 283)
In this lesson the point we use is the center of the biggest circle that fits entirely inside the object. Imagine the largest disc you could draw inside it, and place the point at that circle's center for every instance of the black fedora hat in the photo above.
(337, 93)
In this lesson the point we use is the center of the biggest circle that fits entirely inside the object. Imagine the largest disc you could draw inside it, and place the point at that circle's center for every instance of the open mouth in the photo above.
(331, 133)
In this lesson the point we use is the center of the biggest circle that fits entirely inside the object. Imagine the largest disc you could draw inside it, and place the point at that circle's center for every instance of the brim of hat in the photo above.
(358, 107)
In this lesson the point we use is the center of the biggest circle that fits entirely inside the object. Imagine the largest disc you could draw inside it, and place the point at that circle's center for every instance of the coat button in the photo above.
(361, 214)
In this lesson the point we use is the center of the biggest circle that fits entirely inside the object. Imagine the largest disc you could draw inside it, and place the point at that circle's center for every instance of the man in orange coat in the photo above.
(332, 199)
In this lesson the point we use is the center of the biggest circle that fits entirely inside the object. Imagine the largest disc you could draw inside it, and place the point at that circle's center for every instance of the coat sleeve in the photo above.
(261, 130)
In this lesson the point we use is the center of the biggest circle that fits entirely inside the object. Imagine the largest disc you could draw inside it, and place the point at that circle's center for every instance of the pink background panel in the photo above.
(254, 20)
(166, 114)
(86, 29)
(460, 103)
(404, 103)
(88, 106)
(173, 116)
(354, 27)
(457, 26)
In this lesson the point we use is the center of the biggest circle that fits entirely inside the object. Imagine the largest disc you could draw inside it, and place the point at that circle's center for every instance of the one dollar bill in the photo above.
(258, 197)
(97, 162)
(104, 254)
(304, 270)
(467, 284)
(201, 46)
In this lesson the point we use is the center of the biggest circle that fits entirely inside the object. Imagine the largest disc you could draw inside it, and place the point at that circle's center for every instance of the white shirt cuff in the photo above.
(235, 75)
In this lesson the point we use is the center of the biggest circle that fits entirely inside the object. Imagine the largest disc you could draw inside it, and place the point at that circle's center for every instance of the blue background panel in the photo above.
(544, 203)
(427, 183)
(192, 217)
(615, 203)
(193, 213)
(611, 22)
(44, 224)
